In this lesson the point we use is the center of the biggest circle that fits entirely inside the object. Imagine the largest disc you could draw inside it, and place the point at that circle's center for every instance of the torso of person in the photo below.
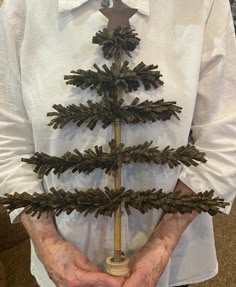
(55, 43)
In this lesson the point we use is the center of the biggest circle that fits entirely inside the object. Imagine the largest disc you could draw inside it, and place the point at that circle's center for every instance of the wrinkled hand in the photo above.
(147, 266)
(69, 267)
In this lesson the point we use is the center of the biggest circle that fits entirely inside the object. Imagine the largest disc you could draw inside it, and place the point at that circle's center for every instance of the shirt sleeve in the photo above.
(16, 138)
(214, 121)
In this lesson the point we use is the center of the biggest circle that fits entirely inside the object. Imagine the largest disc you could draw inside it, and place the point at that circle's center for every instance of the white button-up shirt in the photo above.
(193, 44)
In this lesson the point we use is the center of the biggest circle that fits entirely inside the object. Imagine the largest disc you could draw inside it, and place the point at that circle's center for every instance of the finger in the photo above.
(115, 281)
(90, 267)
(87, 265)
(91, 279)
(131, 282)
(136, 281)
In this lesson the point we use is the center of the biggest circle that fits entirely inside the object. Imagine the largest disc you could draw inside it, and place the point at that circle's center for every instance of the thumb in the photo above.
(91, 279)
(113, 280)
(87, 265)
(133, 281)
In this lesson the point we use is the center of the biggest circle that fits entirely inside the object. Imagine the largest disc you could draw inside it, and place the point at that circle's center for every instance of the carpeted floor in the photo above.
(225, 234)
(17, 277)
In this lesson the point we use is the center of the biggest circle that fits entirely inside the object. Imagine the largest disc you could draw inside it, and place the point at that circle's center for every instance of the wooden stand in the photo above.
(119, 269)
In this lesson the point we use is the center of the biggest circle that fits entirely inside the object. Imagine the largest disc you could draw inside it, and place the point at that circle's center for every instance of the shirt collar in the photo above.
(68, 5)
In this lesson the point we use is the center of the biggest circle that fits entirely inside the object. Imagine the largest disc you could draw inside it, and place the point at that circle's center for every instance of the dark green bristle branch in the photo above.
(91, 159)
(117, 42)
(99, 202)
(108, 110)
(110, 80)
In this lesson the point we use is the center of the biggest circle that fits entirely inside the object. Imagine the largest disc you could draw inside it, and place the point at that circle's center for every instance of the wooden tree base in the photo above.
(118, 268)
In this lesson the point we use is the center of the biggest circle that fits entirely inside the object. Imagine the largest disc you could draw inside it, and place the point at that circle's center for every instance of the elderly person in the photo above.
(193, 43)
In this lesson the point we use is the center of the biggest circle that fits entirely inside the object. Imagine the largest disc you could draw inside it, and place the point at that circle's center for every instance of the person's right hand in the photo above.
(69, 267)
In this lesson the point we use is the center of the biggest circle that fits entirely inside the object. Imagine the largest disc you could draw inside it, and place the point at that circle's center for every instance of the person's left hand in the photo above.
(147, 265)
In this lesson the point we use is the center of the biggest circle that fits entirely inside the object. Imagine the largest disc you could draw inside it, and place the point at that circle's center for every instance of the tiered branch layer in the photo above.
(108, 81)
(117, 42)
(97, 158)
(108, 110)
(99, 202)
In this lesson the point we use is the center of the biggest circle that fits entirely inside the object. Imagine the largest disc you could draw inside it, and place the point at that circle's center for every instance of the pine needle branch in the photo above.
(99, 202)
(97, 158)
(109, 80)
(117, 42)
(108, 110)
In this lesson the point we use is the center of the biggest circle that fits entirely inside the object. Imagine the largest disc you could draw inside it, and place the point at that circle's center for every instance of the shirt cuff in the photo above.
(15, 215)
(197, 185)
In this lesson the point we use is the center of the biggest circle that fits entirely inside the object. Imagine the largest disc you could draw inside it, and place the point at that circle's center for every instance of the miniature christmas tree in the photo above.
(112, 84)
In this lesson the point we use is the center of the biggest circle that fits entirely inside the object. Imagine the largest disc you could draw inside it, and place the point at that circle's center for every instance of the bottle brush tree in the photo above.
(112, 84)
